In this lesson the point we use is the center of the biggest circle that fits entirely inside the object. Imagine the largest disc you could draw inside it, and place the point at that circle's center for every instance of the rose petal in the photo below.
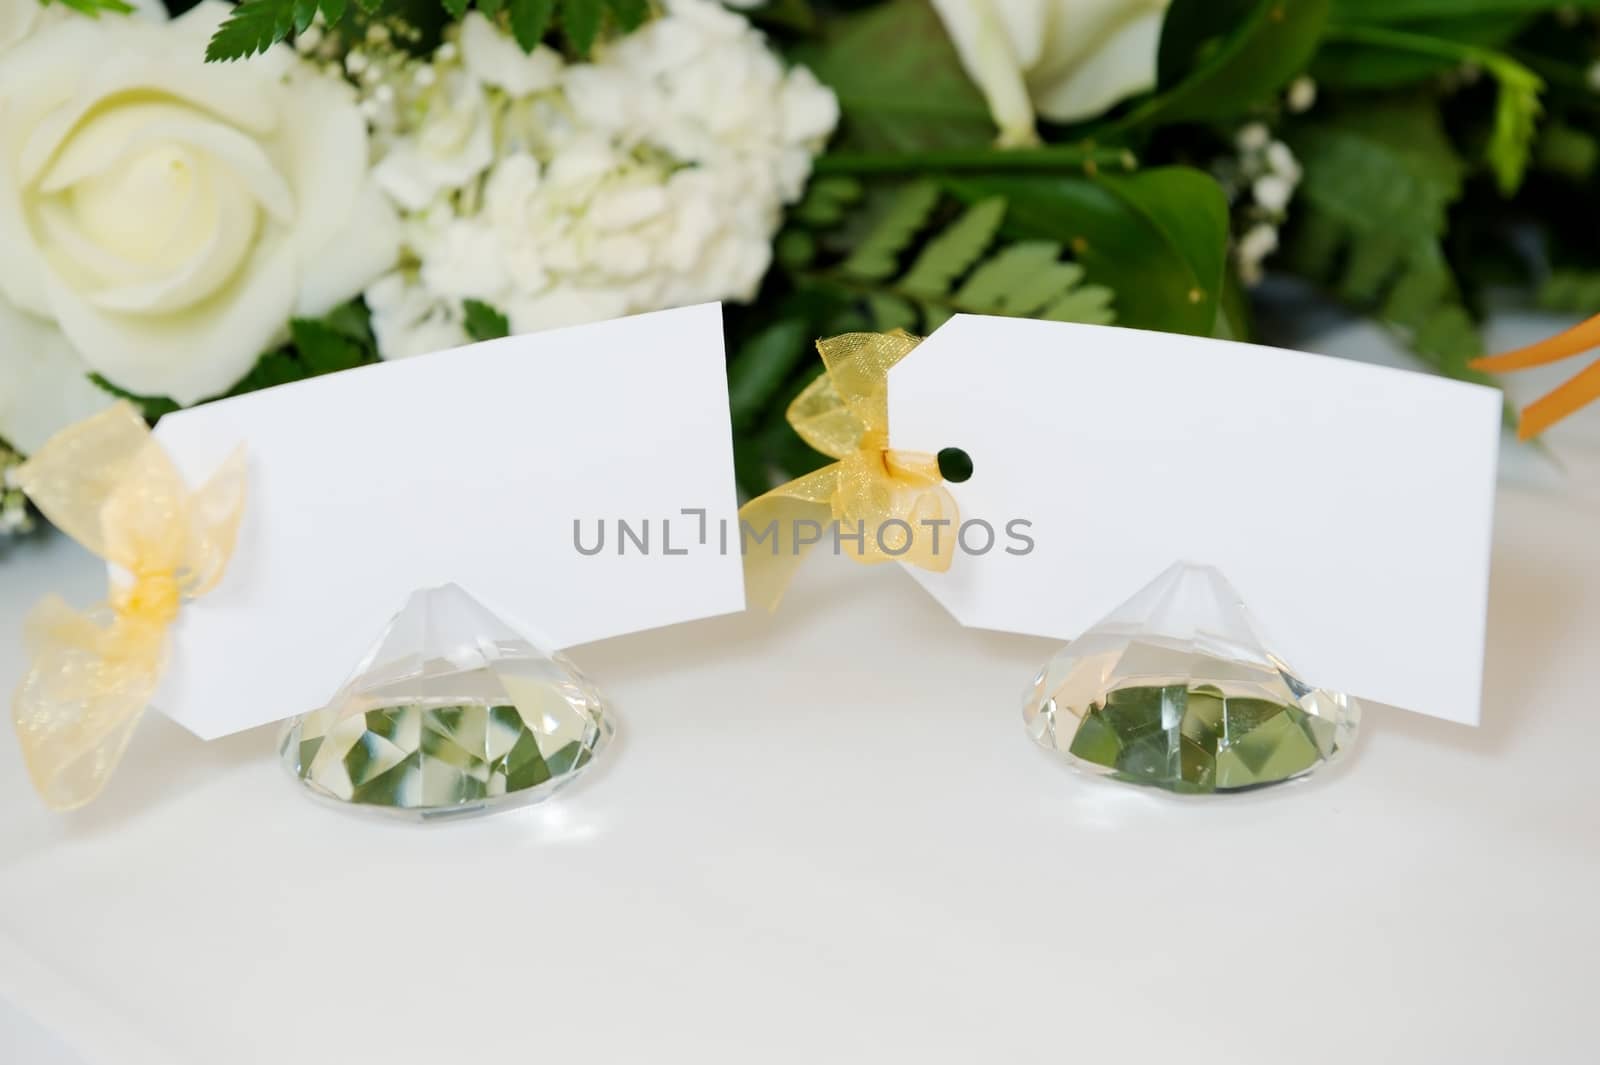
(44, 386)
(351, 256)
(188, 356)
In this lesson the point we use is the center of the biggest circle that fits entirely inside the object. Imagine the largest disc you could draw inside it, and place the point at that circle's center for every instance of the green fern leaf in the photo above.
(1369, 221)
(993, 285)
(630, 14)
(890, 312)
(252, 28)
(530, 20)
(1516, 121)
(581, 20)
(953, 252)
(878, 255)
(1089, 304)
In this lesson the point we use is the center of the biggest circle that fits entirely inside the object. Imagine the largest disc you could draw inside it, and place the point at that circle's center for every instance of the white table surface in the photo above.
(824, 837)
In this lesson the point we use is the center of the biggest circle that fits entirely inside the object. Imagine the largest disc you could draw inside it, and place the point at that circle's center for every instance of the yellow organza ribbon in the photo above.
(107, 484)
(876, 503)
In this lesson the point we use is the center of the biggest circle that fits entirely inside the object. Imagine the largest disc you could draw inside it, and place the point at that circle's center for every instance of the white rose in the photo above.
(171, 215)
(43, 385)
(17, 20)
(1066, 59)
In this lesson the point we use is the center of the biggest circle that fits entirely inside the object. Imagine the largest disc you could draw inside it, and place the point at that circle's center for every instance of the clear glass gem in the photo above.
(1174, 689)
(451, 712)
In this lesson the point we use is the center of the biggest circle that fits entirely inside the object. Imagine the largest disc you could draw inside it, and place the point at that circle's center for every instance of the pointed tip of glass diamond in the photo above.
(451, 711)
(1176, 689)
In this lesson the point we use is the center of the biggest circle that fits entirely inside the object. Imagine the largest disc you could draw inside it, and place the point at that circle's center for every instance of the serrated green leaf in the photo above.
(630, 14)
(581, 20)
(333, 11)
(483, 322)
(530, 20)
(877, 256)
(457, 9)
(994, 284)
(252, 28)
(952, 253)
(1090, 305)
(1369, 218)
(304, 12)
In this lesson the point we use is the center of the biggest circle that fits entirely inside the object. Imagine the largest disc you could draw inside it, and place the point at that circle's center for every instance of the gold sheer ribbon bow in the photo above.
(875, 503)
(107, 484)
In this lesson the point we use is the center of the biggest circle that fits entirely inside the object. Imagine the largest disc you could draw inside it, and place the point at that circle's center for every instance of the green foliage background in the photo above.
(1451, 154)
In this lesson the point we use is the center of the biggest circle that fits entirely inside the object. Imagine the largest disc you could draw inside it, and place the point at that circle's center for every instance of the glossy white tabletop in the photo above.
(824, 837)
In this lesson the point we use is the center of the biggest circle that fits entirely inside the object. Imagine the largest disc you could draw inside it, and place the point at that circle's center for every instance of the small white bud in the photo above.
(1302, 95)
(308, 41)
(1281, 161)
(1273, 192)
(355, 62)
(1260, 242)
(424, 77)
(1252, 138)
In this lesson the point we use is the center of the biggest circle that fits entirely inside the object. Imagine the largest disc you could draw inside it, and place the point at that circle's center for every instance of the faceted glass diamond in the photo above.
(451, 712)
(1174, 689)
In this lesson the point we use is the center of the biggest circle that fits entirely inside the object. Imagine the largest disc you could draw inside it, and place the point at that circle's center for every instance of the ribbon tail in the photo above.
(1568, 399)
(85, 690)
(772, 532)
(1574, 341)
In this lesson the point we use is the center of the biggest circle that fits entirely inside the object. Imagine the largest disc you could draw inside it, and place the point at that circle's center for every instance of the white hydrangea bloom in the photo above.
(653, 176)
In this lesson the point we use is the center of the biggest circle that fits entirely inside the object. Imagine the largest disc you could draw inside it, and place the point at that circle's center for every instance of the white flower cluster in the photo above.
(652, 176)
(1260, 182)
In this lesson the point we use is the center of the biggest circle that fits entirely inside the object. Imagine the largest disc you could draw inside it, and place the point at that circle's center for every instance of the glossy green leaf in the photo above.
(1379, 11)
(1158, 239)
(1242, 62)
(900, 84)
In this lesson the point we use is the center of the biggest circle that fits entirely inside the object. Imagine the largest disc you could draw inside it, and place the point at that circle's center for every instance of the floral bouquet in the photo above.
(202, 199)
